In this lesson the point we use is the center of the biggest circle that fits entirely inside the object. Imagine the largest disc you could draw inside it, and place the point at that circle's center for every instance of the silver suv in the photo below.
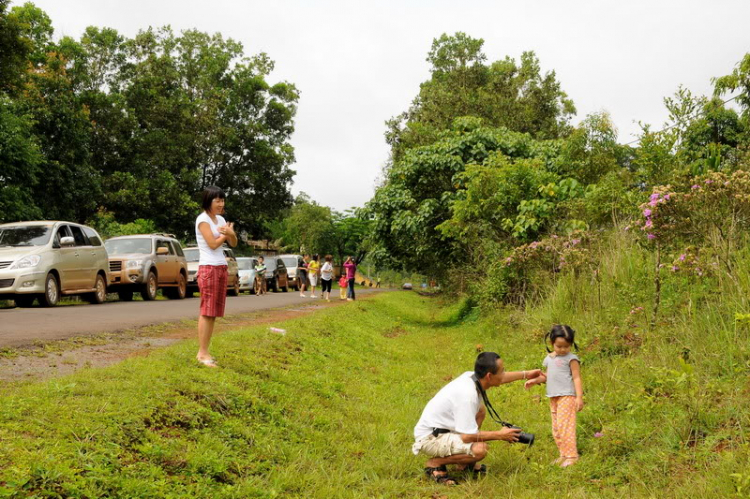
(145, 263)
(233, 274)
(47, 260)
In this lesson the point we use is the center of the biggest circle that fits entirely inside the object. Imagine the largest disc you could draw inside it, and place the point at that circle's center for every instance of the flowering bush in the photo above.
(553, 253)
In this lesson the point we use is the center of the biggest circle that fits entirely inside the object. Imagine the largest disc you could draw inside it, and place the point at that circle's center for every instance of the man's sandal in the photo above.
(444, 479)
(482, 470)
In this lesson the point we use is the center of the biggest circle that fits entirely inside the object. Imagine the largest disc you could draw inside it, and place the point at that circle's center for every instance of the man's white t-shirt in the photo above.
(326, 271)
(454, 408)
(207, 255)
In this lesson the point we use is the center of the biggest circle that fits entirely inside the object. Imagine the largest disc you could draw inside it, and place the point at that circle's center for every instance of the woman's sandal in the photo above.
(442, 479)
(208, 362)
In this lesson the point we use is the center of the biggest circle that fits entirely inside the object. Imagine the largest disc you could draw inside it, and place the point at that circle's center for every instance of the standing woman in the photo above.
(326, 277)
(211, 232)
(312, 273)
(351, 270)
(302, 273)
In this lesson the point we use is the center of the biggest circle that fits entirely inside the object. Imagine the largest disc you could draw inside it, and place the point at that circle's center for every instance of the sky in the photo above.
(359, 63)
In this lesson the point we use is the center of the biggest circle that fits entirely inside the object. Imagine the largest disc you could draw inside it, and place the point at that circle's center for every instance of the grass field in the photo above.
(328, 409)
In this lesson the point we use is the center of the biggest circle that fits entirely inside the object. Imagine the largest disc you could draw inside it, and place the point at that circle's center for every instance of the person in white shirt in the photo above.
(326, 277)
(449, 430)
(211, 232)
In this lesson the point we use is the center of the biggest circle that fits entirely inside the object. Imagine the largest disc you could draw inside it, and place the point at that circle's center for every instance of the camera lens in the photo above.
(526, 438)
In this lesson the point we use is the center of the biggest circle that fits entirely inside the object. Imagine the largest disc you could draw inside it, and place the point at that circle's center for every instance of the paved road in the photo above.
(25, 326)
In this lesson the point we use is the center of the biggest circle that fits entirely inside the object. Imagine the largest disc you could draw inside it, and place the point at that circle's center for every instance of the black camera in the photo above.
(523, 437)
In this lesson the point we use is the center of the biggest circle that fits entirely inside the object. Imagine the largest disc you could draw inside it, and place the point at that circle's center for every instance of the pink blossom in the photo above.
(709, 181)
(599, 434)
(575, 241)
(654, 196)
(675, 268)
(650, 236)
(682, 257)
(666, 198)
(648, 224)
(653, 203)
(646, 213)
(627, 227)
(695, 186)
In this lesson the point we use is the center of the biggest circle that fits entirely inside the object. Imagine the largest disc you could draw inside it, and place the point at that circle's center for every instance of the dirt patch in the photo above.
(59, 358)
(395, 332)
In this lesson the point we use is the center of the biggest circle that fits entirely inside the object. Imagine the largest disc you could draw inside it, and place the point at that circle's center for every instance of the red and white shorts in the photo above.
(212, 282)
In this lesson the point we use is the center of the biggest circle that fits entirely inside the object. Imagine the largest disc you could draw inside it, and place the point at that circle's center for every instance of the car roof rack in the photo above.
(164, 234)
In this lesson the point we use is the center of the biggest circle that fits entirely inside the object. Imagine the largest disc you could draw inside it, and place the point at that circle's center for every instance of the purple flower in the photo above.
(598, 434)
(675, 268)
(695, 186)
(682, 257)
(666, 198)
(627, 227)
(575, 241)
(650, 236)
(646, 213)
(709, 181)
(653, 203)
(649, 224)
(654, 196)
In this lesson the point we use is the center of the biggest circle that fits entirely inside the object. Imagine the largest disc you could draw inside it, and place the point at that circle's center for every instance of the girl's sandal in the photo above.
(444, 479)
(570, 461)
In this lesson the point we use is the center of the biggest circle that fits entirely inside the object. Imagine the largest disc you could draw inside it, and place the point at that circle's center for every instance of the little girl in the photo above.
(343, 284)
(564, 389)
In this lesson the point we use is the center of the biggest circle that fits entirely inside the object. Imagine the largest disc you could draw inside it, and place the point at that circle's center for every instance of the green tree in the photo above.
(505, 93)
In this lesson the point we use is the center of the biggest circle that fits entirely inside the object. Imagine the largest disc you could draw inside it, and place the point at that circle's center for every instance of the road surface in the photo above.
(27, 326)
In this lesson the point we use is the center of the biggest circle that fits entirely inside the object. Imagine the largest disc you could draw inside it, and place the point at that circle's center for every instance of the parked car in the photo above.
(47, 260)
(246, 266)
(276, 274)
(144, 263)
(192, 255)
(407, 286)
(292, 262)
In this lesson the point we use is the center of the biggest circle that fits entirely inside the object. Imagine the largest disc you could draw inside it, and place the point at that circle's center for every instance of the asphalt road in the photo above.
(26, 326)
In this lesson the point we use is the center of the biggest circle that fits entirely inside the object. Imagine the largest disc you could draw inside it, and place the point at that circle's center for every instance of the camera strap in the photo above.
(490, 410)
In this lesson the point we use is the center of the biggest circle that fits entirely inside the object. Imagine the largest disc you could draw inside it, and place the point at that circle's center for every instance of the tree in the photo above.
(504, 94)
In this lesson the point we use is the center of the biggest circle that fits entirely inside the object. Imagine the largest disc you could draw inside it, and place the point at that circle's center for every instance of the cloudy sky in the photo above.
(359, 63)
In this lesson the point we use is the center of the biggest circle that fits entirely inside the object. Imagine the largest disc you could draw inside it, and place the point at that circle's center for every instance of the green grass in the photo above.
(328, 410)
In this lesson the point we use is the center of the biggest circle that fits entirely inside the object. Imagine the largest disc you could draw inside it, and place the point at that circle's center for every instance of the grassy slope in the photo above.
(328, 410)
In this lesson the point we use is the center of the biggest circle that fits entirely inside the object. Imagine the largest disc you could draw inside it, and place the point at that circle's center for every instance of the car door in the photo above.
(98, 251)
(281, 269)
(165, 263)
(86, 259)
(68, 257)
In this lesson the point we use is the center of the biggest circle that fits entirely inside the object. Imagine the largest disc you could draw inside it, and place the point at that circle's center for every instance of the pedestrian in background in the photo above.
(211, 232)
(343, 285)
(302, 273)
(351, 271)
(326, 277)
(312, 273)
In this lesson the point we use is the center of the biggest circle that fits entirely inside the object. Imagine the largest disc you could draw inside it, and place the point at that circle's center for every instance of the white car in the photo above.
(48, 260)
(247, 272)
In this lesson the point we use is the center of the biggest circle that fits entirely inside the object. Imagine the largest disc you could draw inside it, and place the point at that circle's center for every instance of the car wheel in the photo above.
(276, 285)
(148, 293)
(181, 291)
(235, 291)
(51, 292)
(125, 295)
(100, 295)
(24, 301)
(286, 286)
(189, 293)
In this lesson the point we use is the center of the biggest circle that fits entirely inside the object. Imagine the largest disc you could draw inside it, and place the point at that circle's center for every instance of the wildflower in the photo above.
(675, 268)
(682, 257)
(599, 434)
(695, 186)
(654, 196)
(646, 213)
(653, 202)
(627, 227)
(651, 237)
(649, 224)
(666, 198)
(709, 181)
(575, 241)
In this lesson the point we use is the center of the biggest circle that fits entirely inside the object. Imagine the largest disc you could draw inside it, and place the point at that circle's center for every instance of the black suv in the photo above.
(276, 274)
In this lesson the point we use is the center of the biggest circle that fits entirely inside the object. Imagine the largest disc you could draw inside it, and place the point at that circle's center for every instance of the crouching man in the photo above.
(449, 429)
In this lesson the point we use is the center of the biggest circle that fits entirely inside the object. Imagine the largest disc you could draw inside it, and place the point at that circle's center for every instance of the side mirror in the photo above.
(162, 251)
(67, 241)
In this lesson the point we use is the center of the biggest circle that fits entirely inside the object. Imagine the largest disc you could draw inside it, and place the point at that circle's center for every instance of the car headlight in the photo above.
(133, 264)
(27, 262)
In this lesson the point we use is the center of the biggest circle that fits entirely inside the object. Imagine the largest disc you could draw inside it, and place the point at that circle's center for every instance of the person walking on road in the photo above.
(351, 271)
(312, 273)
(326, 278)
(302, 273)
(211, 232)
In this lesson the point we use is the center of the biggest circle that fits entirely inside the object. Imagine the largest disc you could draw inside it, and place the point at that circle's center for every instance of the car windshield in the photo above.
(290, 261)
(245, 263)
(270, 264)
(192, 255)
(25, 235)
(138, 246)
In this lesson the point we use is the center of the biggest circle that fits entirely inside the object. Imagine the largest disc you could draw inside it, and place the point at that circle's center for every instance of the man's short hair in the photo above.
(486, 363)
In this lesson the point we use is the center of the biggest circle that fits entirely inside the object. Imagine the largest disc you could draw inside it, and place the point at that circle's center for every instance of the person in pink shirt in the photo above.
(343, 285)
(351, 270)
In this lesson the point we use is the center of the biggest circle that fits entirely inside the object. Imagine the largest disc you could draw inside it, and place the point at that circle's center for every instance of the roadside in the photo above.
(56, 358)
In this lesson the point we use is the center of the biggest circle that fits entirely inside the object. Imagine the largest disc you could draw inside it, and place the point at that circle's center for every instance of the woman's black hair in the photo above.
(561, 331)
(316, 257)
(209, 194)
(486, 363)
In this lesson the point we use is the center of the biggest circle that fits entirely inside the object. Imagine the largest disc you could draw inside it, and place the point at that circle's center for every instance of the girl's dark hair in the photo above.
(316, 257)
(329, 258)
(561, 331)
(209, 194)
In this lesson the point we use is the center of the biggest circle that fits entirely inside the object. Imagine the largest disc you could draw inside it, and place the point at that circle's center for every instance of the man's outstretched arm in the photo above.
(507, 434)
(511, 376)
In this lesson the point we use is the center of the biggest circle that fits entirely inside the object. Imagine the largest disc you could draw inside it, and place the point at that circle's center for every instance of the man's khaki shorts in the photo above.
(445, 444)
